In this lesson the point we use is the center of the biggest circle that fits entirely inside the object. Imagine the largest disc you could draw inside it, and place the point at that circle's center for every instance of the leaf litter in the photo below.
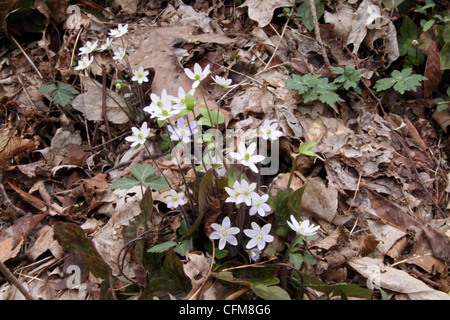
(379, 229)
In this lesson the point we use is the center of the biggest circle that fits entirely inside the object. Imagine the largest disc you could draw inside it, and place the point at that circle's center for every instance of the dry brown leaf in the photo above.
(90, 104)
(388, 211)
(433, 70)
(21, 228)
(367, 244)
(320, 200)
(395, 280)
(196, 269)
(337, 238)
(261, 11)
(44, 242)
(7, 251)
(11, 144)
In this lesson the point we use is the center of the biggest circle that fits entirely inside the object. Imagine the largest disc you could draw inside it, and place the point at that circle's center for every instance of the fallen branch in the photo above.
(13, 280)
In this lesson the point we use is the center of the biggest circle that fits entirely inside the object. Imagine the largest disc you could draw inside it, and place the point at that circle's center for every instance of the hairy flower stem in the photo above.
(157, 166)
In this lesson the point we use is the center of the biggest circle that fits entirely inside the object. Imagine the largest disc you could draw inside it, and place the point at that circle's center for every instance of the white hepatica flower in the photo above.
(198, 75)
(233, 194)
(269, 130)
(258, 236)
(245, 156)
(246, 192)
(180, 100)
(175, 199)
(140, 75)
(182, 132)
(161, 107)
(225, 233)
(88, 48)
(224, 83)
(106, 45)
(120, 54)
(254, 254)
(84, 63)
(120, 31)
(259, 205)
(303, 228)
(139, 135)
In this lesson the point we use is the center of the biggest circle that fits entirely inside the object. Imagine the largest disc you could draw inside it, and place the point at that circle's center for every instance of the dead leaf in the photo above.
(388, 211)
(261, 11)
(21, 229)
(433, 71)
(387, 234)
(367, 244)
(45, 241)
(196, 269)
(395, 280)
(90, 104)
(440, 244)
(320, 200)
(11, 144)
(56, 153)
(337, 238)
(7, 251)
(443, 119)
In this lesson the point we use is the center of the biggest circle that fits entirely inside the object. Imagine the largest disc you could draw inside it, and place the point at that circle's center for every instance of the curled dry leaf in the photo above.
(433, 71)
(395, 280)
(261, 11)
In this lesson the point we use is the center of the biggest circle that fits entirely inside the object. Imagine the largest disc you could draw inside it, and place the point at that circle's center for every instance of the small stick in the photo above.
(26, 56)
(318, 37)
(13, 280)
(105, 117)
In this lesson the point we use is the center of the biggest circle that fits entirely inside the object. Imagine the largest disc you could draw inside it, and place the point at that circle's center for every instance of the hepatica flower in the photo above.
(88, 48)
(139, 135)
(269, 130)
(120, 54)
(182, 132)
(246, 192)
(303, 228)
(140, 75)
(246, 156)
(180, 100)
(259, 205)
(198, 75)
(258, 236)
(224, 83)
(175, 199)
(224, 233)
(120, 31)
(84, 63)
(106, 45)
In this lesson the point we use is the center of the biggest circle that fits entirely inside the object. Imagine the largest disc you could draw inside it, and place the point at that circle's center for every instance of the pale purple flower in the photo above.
(225, 233)
(259, 205)
(258, 236)
(181, 131)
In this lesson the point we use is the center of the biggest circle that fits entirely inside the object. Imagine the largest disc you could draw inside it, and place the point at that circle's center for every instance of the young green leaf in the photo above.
(400, 81)
(162, 247)
(142, 171)
(125, 182)
(349, 78)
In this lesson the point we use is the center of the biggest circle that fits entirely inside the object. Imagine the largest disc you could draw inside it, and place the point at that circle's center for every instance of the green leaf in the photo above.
(340, 289)
(142, 171)
(125, 182)
(72, 238)
(206, 121)
(295, 202)
(162, 247)
(156, 182)
(47, 88)
(305, 149)
(301, 83)
(304, 11)
(400, 81)
(428, 25)
(270, 292)
(349, 78)
(445, 57)
(64, 94)
(296, 259)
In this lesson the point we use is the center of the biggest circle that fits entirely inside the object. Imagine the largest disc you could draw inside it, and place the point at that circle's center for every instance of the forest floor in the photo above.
(376, 181)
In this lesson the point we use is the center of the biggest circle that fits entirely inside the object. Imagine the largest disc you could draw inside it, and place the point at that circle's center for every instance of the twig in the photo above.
(104, 114)
(13, 280)
(26, 56)
(318, 37)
